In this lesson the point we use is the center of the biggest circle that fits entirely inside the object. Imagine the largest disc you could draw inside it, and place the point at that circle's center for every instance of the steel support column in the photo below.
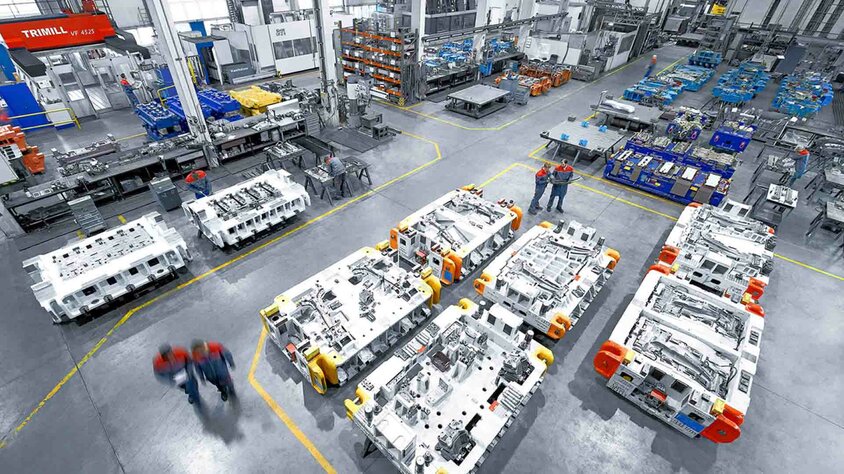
(171, 48)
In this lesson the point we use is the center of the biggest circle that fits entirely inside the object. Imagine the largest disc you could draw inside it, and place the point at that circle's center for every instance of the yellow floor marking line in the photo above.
(80, 235)
(273, 404)
(533, 154)
(121, 218)
(280, 413)
(616, 198)
(131, 137)
(131, 312)
(500, 174)
(517, 119)
(809, 267)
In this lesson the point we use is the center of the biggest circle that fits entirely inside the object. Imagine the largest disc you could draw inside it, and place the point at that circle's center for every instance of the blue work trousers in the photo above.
(133, 99)
(558, 191)
(537, 194)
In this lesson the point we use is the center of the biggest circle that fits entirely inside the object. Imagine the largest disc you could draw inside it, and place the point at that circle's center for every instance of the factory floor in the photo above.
(82, 397)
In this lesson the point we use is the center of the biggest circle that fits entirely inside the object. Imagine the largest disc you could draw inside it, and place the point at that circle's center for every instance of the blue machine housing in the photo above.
(803, 95)
(682, 153)
(693, 78)
(705, 58)
(175, 106)
(652, 92)
(159, 122)
(667, 178)
(732, 136)
(222, 106)
(741, 84)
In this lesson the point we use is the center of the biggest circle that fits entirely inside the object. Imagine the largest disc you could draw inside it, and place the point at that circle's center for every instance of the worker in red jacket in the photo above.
(213, 361)
(199, 183)
(174, 366)
(541, 180)
(562, 175)
(129, 90)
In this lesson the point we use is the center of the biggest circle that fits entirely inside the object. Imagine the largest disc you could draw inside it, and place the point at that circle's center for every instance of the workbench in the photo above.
(831, 215)
(287, 152)
(47, 203)
(830, 178)
(319, 175)
(477, 101)
(781, 167)
(597, 142)
(773, 204)
(642, 118)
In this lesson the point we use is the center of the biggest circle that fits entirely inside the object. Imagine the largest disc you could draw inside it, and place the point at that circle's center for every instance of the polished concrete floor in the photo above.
(110, 414)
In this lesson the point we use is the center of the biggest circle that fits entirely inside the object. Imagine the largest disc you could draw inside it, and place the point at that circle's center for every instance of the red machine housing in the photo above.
(57, 31)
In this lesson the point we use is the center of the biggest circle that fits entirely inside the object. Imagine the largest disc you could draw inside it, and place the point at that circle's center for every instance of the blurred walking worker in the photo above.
(541, 179)
(213, 361)
(173, 366)
(651, 67)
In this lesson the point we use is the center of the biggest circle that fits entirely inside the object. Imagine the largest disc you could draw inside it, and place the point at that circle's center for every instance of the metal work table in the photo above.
(773, 204)
(287, 152)
(831, 215)
(830, 178)
(319, 174)
(642, 117)
(598, 143)
(781, 167)
(477, 101)
(47, 202)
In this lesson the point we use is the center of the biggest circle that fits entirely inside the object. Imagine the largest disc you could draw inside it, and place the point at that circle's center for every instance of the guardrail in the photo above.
(73, 120)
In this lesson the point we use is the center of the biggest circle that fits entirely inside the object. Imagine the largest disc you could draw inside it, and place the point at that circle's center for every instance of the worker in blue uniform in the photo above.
(174, 366)
(129, 90)
(801, 162)
(560, 179)
(541, 180)
(213, 361)
(337, 170)
(199, 183)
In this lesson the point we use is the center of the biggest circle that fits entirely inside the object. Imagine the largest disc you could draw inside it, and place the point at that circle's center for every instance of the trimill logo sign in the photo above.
(39, 32)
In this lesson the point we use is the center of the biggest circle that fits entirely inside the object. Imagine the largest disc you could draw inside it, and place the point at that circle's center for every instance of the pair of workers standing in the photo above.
(208, 361)
(559, 177)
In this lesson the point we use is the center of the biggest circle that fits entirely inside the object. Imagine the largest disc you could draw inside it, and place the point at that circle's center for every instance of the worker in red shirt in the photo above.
(801, 161)
(174, 366)
(199, 183)
(541, 180)
(212, 361)
(129, 90)
(560, 178)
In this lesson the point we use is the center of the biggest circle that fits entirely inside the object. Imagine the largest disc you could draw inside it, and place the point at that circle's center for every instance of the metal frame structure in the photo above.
(337, 322)
(246, 209)
(442, 402)
(455, 234)
(550, 275)
(722, 250)
(75, 279)
(685, 356)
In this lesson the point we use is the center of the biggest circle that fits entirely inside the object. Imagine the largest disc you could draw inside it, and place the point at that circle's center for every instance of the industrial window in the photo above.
(303, 46)
(18, 8)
